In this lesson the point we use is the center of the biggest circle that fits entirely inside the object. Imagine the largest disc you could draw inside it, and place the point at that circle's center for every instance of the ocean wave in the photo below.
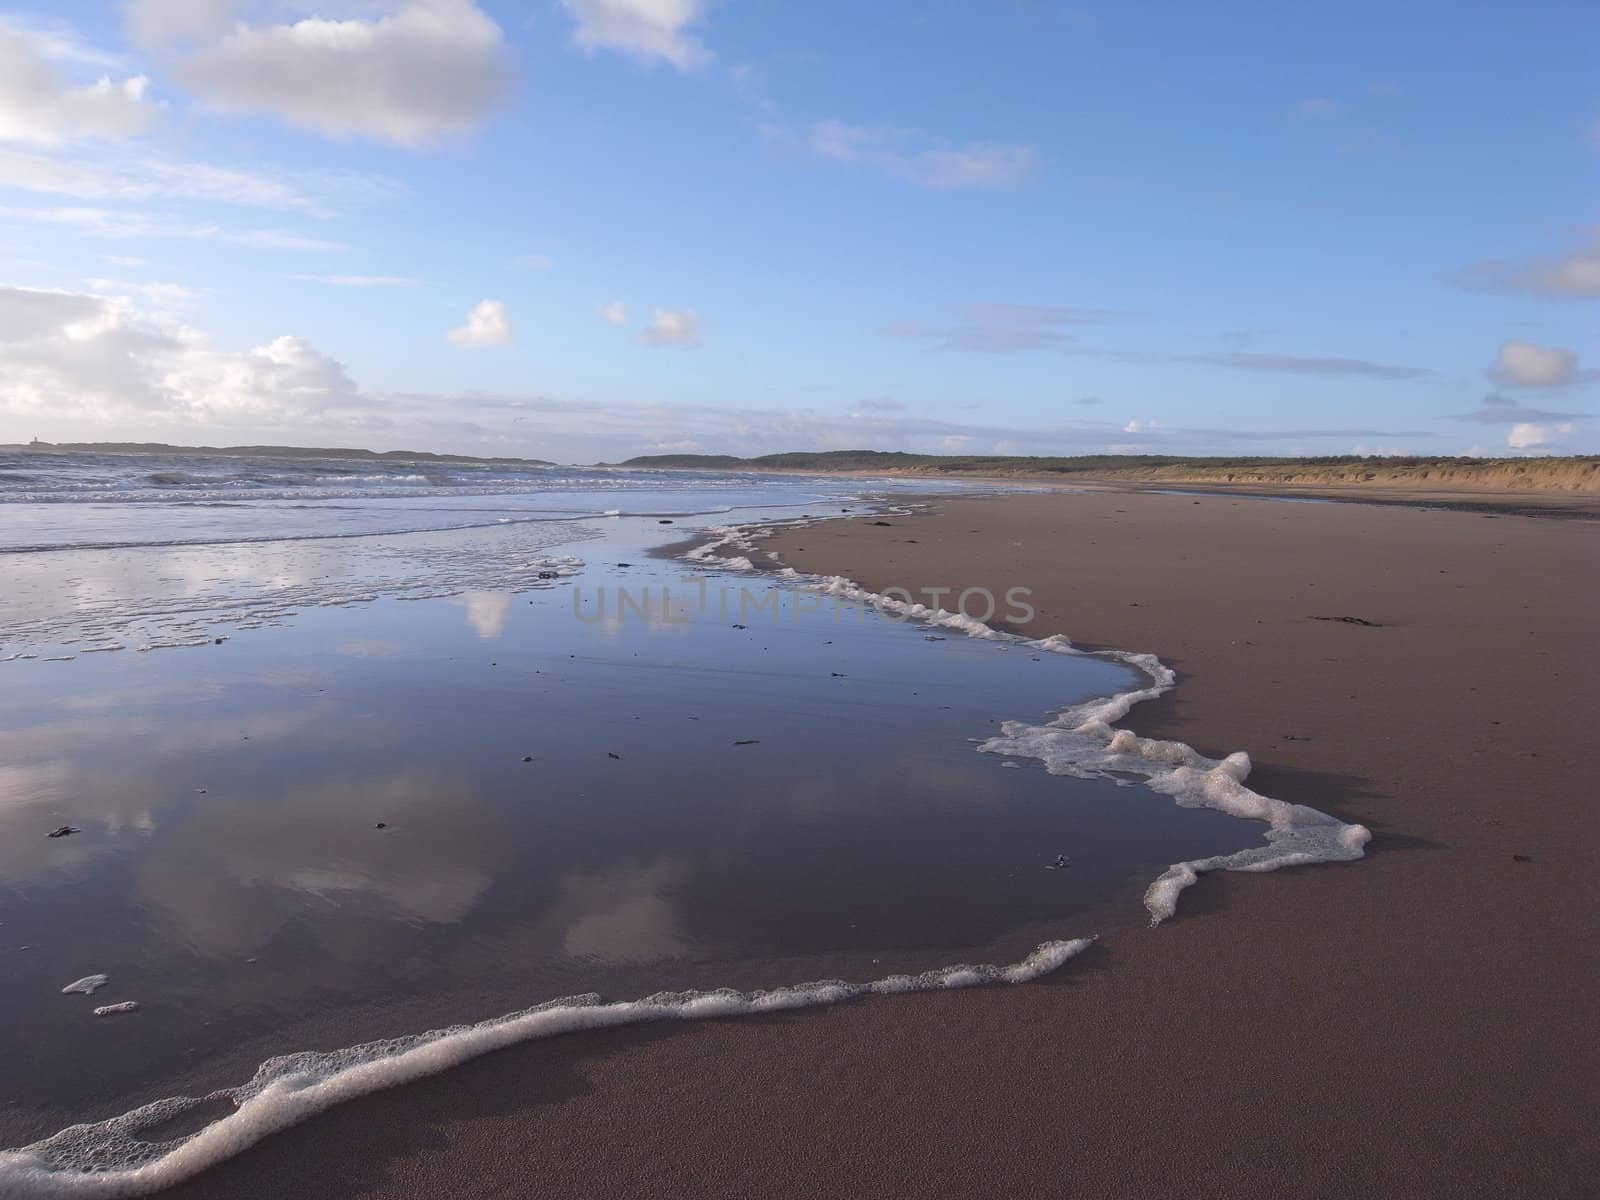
(261, 539)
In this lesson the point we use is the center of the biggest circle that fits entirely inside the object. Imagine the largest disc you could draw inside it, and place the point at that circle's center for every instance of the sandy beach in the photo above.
(697, 599)
(1418, 1023)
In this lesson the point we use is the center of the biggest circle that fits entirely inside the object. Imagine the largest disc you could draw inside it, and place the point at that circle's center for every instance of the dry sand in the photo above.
(1421, 1023)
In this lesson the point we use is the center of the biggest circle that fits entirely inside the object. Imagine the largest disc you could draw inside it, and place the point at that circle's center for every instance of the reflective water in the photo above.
(375, 819)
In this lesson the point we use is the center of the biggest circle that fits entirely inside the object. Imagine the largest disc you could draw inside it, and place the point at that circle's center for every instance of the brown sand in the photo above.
(1418, 1024)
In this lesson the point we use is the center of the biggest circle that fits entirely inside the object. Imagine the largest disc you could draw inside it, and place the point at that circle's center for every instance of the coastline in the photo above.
(1473, 498)
(1417, 1024)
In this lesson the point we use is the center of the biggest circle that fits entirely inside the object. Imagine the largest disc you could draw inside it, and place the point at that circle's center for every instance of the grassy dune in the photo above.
(1570, 474)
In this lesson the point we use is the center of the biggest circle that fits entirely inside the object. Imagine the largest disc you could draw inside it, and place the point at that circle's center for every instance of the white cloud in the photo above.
(431, 69)
(1288, 364)
(58, 41)
(616, 312)
(1529, 436)
(880, 404)
(121, 223)
(1318, 107)
(68, 355)
(1527, 364)
(36, 173)
(911, 155)
(486, 325)
(140, 178)
(672, 327)
(286, 376)
(27, 314)
(361, 281)
(998, 328)
(975, 165)
(1575, 273)
(647, 29)
(1504, 410)
(39, 106)
(270, 239)
(164, 295)
(159, 23)
(202, 181)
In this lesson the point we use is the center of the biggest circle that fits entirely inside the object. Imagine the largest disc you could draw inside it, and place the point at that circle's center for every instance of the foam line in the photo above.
(109, 1160)
(1083, 740)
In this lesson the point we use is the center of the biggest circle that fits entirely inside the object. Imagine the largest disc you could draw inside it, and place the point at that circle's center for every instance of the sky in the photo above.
(587, 229)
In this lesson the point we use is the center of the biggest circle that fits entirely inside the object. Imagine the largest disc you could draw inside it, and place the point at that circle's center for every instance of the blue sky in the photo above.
(585, 229)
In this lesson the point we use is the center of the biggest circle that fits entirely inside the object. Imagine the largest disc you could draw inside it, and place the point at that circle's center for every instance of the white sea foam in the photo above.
(110, 1159)
(1083, 741)
(743, 539)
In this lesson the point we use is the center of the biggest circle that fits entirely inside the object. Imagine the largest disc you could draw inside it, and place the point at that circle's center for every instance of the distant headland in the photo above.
(265, 452)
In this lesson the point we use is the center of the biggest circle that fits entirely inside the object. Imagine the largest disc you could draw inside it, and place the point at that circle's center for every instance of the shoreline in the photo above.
(1394, 1013)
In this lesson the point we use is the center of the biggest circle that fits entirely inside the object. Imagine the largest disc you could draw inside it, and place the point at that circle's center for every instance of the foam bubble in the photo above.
(110, 1159)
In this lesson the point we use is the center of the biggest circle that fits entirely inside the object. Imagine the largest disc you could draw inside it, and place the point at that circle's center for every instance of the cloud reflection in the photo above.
(228, 878)
(625, 915)
(486, 612)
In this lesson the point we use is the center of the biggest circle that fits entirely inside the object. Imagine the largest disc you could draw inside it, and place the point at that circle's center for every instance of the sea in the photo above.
(321, 775)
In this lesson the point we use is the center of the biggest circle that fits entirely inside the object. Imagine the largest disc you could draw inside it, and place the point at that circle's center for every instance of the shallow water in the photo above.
(323, 829)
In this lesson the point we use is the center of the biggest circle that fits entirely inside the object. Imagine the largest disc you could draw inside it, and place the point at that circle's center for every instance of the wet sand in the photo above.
(1419, 1023)
(377, 820)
